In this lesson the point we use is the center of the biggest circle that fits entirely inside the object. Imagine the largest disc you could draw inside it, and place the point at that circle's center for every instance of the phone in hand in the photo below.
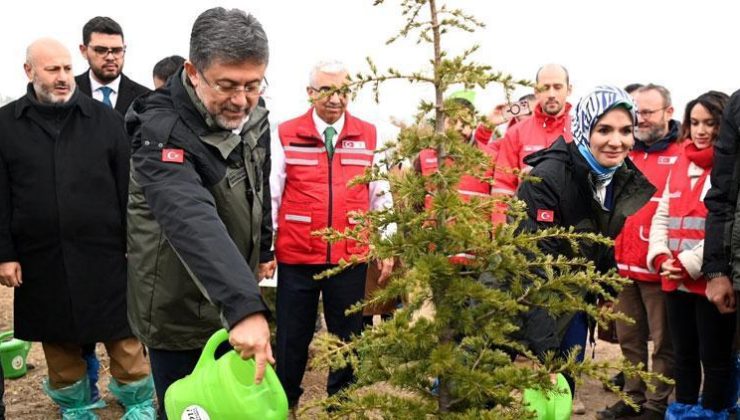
(517, 109)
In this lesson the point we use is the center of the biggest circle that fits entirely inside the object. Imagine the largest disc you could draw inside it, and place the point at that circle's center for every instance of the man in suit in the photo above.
(103, 48)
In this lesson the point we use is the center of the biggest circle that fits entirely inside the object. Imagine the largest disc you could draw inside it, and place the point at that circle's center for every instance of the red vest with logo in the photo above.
(316, 194)
(631, 245)
(687, 217)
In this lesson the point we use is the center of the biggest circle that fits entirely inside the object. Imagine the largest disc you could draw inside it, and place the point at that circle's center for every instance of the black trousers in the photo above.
(167, 367)
(297, 305)
(702, 338)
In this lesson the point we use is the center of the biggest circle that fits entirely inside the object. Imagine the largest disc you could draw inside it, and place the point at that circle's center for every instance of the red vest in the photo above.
(687, 217)
(468, 187)
(631, 245)
(316, 194)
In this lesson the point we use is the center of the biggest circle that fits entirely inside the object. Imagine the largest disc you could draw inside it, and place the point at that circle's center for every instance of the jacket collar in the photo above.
(77, 100)
(661, 144)
(550, 121)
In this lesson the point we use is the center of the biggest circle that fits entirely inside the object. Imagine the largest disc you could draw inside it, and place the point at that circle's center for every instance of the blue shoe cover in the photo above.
(74, 400)
(137, 398)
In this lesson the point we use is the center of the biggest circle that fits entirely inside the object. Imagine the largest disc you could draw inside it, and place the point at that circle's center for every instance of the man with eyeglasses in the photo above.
(104, 50)
(654, 153)
(199, 220)
(314, 157)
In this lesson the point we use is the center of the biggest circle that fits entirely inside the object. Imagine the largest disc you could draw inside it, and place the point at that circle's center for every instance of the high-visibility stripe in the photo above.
(298, 218)
(673, 244)
(430, 160)
(355, 151)
(359, 162)
(634, 269)
(302, 162)
(694, 223)
(502, 191)
(475, 193)
(674, 223)
(296, 149)
(690, 243)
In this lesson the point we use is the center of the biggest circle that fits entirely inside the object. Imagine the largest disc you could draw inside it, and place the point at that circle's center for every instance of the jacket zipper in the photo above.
(331, 200)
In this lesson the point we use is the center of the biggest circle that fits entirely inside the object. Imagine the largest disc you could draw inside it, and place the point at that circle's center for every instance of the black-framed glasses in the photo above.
(104, 51)
(326, 91)
(647, 113)
(252, 89)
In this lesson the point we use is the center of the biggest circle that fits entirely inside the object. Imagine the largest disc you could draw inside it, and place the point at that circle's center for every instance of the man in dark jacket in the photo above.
(63, 182)
(199, 202)
(104, 50)
(721, 248)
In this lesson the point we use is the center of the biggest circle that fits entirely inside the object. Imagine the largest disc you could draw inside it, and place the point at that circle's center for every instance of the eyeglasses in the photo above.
(326, 91)
(646, 113)
(104, 51)
(253, 89)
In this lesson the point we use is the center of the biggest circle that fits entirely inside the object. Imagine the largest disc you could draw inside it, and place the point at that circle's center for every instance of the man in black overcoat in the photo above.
(63, 192)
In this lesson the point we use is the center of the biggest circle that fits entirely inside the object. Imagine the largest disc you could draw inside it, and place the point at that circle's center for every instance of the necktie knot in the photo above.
(329, 134)
(106, 91)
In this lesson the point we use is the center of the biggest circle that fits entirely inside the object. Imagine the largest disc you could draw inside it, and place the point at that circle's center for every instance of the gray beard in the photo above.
(651, 136)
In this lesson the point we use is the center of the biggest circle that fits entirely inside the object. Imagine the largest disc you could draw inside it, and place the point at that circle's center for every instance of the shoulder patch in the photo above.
(173, 155)
(545, 216)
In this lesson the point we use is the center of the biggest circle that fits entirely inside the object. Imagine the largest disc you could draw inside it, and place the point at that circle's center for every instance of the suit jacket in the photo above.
(128, 90)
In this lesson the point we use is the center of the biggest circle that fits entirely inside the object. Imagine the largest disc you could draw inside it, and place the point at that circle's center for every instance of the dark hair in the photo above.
(229, 36)
(632, 87)
(567, 75)
(664, 93)
(167, 66)
(714, 101)
(528, 97)
(102, 25)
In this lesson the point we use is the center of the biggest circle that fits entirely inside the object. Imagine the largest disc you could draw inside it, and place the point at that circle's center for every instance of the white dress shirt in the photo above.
(98, 95)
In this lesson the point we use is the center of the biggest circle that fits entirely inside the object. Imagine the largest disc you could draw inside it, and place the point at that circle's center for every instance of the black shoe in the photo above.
(619, 410)
(648, 414)
(616, 380)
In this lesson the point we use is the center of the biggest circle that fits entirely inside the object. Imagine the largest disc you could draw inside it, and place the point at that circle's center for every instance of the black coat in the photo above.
(128, 90)
(63, 188)
(564, 197)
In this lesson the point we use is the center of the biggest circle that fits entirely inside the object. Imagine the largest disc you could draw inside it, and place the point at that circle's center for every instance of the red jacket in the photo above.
(631, 246)
(316, 194)
(687, 217)
(536, 133)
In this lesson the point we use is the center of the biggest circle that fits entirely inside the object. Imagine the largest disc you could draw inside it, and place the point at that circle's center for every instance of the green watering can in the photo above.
(13, 354)
(224, 389)
(555, 406)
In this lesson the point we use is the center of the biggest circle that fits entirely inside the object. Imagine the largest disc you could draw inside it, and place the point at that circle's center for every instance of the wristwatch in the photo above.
(714, 275)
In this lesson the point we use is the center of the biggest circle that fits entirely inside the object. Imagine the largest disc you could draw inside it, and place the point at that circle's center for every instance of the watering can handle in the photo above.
(209, 351)
(6, 334)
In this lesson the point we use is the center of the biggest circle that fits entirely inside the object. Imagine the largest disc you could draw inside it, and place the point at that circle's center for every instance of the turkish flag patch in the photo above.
(546, 216)
(173, 155)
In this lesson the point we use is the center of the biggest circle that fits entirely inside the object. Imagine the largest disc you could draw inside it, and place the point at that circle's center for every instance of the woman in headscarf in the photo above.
(589, 185)
(702, 337)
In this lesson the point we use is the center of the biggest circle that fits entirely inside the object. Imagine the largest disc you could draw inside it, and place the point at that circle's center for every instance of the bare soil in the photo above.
(25, 398)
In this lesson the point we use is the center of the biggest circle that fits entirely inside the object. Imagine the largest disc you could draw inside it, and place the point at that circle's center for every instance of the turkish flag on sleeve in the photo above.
(173, 155)
(546, 216)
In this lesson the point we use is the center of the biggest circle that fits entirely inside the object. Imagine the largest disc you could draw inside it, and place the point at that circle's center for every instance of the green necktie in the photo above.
(329, 134)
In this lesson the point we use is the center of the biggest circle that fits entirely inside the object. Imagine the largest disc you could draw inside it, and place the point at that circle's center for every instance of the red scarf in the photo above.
(702, 158)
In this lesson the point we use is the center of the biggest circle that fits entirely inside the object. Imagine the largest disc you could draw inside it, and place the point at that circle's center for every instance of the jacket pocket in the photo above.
(353, 246)
(295, 229)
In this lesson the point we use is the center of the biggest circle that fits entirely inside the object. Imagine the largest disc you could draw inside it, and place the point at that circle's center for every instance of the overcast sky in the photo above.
(690, 47)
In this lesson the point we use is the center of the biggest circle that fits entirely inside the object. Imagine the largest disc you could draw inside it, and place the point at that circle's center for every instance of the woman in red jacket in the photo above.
(702, 337)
